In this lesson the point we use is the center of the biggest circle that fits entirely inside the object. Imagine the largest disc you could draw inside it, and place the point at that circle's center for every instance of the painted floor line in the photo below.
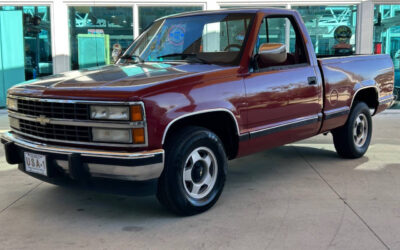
(22, 196)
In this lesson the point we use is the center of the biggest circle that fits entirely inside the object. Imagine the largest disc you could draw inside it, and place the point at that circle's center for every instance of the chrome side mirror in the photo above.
(271, 54)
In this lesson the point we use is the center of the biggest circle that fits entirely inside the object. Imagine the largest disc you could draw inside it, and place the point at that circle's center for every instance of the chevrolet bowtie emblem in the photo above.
(43, 120)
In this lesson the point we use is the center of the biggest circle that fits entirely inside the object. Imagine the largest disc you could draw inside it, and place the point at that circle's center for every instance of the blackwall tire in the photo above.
(194, 173)
(352, 140)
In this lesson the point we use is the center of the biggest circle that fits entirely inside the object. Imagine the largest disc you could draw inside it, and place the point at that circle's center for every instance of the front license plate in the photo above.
(35, 163)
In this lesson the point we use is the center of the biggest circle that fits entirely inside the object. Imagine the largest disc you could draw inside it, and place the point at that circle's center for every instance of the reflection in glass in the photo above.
(387, 35)
(207, 39)
(148, 14)
(98, 35)
(332, 28)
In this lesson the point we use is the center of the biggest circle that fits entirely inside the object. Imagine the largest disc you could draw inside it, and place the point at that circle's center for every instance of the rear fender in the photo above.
(367, 84)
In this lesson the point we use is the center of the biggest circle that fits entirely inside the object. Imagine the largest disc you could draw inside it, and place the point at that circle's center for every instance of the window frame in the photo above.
(299, 35)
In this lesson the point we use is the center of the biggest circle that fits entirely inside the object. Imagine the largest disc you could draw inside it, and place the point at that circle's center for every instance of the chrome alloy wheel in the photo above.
(360, 130)
(200, 173)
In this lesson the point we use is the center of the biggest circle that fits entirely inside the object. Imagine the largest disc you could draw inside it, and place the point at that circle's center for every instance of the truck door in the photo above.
(283, 93)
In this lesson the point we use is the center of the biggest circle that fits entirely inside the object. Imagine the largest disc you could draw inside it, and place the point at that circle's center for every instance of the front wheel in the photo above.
(194, 173)
(352, 139)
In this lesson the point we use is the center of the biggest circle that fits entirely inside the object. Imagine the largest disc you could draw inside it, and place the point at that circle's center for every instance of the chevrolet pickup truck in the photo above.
(193, 91)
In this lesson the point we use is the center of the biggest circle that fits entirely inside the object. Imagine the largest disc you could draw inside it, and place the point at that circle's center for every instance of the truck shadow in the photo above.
(283, 164)
(285, 161)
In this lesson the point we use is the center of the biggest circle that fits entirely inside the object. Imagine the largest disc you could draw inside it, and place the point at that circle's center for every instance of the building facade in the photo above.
(43, 37)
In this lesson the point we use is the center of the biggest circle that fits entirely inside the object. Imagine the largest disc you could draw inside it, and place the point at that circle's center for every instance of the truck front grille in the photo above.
(66, 121)
(55, 132)
(74, 111)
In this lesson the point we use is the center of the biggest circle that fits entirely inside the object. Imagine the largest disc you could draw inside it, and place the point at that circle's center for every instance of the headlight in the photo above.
(112, 135)
(12, 104)
(109, 113)
(14, 123)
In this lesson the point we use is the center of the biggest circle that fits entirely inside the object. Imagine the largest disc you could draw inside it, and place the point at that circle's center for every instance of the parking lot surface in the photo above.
(299, 196)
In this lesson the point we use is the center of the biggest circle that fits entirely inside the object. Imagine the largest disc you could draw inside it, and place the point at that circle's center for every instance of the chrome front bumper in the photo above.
(138, 166)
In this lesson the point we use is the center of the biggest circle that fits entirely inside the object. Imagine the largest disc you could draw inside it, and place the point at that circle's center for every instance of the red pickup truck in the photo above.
(192, 92)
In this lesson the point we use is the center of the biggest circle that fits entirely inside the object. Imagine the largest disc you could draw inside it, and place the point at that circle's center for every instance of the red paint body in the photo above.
(259, 101)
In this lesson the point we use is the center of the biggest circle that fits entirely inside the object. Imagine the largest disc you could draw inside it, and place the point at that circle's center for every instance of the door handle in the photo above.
(312, 80)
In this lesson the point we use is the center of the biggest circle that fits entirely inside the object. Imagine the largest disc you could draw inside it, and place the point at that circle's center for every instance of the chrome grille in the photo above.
(74, 111)
(55, 132)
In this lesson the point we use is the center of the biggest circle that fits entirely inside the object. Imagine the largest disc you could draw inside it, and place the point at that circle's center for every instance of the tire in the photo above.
(194, 173)
(352, 139)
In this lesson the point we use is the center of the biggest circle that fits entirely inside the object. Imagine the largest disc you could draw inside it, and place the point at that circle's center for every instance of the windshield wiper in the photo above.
(185, 56)
(133, 57)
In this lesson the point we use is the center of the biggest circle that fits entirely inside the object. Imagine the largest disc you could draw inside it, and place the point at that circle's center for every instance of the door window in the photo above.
(279, 35)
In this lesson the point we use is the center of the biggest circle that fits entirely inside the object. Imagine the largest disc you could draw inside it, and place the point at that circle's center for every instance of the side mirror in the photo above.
(271, 54)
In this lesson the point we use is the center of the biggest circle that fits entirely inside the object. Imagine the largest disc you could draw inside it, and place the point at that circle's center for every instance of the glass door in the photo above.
(387, 36)
(36, 25)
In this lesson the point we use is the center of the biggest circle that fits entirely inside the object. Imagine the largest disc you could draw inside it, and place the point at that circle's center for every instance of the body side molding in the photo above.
(333, 113)
(302, 121)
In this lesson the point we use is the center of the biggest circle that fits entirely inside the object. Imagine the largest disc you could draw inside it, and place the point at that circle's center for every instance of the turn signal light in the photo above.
(136, 113)
(138, 135)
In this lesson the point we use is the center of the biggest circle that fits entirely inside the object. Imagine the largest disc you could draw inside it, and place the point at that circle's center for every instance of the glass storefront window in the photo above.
(99, 34)
(36, 39)
(387, 35)
(332, 28)
(148, 14)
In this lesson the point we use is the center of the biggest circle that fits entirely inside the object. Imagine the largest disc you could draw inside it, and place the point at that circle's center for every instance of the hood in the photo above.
(113, 78)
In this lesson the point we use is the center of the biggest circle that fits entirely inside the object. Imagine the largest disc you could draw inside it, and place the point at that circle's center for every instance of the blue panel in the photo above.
(12, 51)
(1, 72)
(92, 49)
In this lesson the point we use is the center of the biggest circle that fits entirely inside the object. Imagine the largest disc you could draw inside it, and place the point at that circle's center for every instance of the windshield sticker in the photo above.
(176, 35)
(240, 37)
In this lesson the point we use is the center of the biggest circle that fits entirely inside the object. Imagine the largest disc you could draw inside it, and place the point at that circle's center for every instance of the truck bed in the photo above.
(344, 76)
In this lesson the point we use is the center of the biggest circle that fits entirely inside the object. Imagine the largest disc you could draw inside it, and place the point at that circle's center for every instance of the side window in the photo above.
(279, 43)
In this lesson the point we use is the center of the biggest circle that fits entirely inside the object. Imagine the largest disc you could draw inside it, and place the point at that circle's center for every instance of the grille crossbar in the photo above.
(56, 132)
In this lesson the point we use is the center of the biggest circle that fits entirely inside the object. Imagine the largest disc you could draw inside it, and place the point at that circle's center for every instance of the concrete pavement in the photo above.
(299, 196)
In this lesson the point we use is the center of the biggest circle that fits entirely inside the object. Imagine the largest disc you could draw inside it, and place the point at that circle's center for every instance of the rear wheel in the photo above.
(194, 173)
(352, 139)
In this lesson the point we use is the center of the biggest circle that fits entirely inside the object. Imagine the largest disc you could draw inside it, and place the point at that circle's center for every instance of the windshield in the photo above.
(211, 39)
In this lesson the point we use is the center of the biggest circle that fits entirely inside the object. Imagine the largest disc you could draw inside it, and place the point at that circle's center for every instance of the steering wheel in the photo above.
(238, 46)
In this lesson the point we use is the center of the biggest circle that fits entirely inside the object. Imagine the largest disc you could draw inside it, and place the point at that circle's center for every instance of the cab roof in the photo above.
(231, 11)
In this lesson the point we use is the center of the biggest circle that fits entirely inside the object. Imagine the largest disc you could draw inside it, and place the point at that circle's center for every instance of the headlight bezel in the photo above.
(134, 115)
